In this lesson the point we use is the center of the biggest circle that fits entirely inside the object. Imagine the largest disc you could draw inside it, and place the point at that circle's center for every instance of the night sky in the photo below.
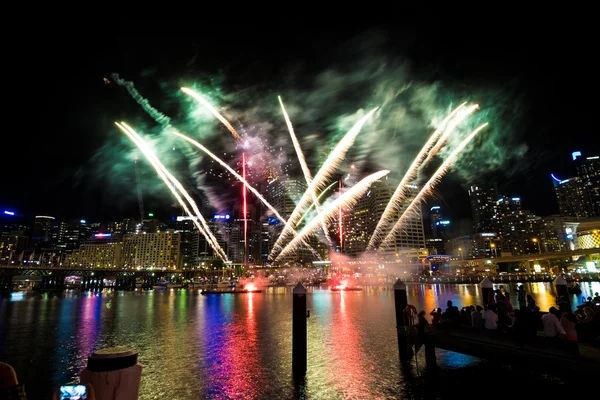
(62, 112)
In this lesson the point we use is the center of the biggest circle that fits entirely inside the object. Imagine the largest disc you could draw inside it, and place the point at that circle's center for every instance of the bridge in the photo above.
(528, 257)
(53, 277)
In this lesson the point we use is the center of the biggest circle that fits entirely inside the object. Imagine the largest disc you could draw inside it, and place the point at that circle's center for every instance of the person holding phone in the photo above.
(74, 392)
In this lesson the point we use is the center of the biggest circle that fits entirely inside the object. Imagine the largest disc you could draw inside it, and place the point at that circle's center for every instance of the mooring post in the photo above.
(114, 373)
(487, 287)
(400, 302)
(562, 291)
(299, 331)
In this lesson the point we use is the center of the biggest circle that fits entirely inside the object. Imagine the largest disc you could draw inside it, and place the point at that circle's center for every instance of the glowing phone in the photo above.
(73, 392)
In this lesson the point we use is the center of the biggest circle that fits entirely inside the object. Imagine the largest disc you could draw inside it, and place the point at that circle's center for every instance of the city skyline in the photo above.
(80, 187)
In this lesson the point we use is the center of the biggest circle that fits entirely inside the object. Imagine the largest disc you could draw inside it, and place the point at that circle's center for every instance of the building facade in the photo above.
(158, 250)
(483, 200)
(95, 255)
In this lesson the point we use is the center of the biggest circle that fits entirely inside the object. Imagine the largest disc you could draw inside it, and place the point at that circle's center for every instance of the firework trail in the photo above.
(400, 192)
(327, 169)
(305, 170)
(313, 204)
(435, 178)
(159, 117)
(172, 183)
(451, 126)
(348, 199)
(213, 110)
(228, 168)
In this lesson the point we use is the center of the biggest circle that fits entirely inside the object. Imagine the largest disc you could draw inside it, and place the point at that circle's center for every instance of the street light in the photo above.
(493, 247)
(461, 253)
(534, 240)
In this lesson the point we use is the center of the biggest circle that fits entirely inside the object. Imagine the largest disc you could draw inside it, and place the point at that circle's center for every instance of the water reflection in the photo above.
(195, 346)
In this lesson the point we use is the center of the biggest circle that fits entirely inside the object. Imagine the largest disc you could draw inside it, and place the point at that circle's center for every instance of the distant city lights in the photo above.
(575, 154)
(435, 208)
(83, 221)
(9, 212)
(100, 235)
(151, 214)
(219, 216)
(443, 222)
(516, 199)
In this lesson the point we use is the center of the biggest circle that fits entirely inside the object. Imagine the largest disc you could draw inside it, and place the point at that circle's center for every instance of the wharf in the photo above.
(496, 347)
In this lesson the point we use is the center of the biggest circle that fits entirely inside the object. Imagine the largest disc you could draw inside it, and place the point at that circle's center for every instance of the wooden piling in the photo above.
(299, 331)
(400, 302)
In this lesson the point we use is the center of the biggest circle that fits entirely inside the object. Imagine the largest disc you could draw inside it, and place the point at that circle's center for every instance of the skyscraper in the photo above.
(570, 195)
(435, 215)
(42, 229)
(579, 197)
(483, 200)
(361, 220)
(588, 170)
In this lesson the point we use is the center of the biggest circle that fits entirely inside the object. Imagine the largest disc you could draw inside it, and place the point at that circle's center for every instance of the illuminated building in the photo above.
(579, 197)
(157, 250)
(517, 227)
(570, 195)
(555, 233)
(283, 194)
(435, 215)
(361, 220)
(95, 255)
(483, 201)
(42, 228)
(190, 241)
(588, 170)
(588, 234)
(12, 246)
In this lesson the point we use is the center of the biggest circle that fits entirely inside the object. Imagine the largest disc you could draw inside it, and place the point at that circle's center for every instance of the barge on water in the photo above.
(232, 291)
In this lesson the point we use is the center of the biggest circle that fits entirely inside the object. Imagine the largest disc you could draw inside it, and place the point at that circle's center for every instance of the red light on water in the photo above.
(250, 287)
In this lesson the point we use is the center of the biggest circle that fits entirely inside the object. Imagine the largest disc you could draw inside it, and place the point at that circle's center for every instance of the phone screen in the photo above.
(73, 392)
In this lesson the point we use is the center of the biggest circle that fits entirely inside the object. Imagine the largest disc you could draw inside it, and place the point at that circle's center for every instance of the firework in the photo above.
(232, 171)
(451, 126)
(428, 187)
(172, 183)
(348, 199)
(159, 117)
(304, 166)
(213, 110)
(313, 204)
(399, 194)
(327, 169)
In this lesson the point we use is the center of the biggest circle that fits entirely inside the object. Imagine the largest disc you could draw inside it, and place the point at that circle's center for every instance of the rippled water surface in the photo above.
(231, 346)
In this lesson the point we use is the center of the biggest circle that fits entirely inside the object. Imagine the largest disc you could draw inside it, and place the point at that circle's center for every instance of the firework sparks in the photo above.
(451, 126)
(327, 169)
(313, 204)
(400, 193)
(213, 110)
(231, 171)
(159, 117)
(173, 185)
(304, 166)
(428, 187)
(348, 199)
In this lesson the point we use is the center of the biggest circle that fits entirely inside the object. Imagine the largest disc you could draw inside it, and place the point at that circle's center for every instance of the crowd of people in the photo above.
(562, 326)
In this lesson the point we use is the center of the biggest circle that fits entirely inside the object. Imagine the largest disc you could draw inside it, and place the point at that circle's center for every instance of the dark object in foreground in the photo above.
(299, 332)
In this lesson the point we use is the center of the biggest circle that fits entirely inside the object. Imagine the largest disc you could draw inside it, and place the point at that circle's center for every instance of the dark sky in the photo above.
(61, 110)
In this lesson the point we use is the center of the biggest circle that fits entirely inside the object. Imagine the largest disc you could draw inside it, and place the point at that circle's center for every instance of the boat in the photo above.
(174, 285)
(139, 283)
(345, 289)
(226, 284)
(232, 291)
